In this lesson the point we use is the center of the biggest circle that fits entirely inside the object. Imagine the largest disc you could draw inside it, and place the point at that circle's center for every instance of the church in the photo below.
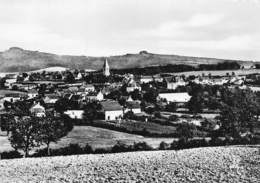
(106, 70)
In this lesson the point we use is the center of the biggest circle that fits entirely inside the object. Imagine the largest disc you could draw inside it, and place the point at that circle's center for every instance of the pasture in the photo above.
(96, 137)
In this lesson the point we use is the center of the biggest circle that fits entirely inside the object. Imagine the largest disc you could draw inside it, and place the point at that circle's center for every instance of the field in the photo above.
(219, 73)
(4, 92)
(211, 164)
(138, 127)
(96, 137)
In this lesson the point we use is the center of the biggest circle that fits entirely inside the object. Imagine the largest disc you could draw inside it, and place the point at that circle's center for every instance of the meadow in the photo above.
(96, 137)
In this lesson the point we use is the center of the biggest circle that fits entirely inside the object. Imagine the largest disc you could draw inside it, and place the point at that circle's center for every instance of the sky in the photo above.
(210, 28)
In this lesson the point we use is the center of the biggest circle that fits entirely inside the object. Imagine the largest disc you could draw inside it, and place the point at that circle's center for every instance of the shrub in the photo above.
(10, 155)
(120, 147)
(163, 146)
(142, 146)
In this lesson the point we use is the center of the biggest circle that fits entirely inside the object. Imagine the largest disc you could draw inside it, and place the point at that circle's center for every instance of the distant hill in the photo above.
(18, 60)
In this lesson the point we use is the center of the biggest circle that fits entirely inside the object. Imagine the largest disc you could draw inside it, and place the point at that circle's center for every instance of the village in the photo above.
(126, 93)
(165, 105)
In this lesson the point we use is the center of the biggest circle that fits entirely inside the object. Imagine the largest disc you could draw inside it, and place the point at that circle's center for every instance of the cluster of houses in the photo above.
(81, 92)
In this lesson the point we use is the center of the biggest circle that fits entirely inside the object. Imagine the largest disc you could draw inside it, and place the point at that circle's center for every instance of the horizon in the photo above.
(227, 29)
(137, 52)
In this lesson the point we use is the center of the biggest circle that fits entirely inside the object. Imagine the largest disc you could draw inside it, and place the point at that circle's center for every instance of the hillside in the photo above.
(212, 164)
(17, 60)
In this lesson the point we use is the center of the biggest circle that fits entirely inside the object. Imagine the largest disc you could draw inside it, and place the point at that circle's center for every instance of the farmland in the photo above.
(96, 137)
(211, 164)
(220, 72)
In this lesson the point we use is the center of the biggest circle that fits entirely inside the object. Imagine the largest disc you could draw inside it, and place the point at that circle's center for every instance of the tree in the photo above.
(53, 128)
(195, 104)
(239, 112)
(6, 120)
(62, 105)
(171, 107)
(151, 95)
(186, 131)
(25, 133)
(91, 111)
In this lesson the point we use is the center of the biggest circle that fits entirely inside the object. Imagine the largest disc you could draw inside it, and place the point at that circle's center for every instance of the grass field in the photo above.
(96, 137)
(4, 92)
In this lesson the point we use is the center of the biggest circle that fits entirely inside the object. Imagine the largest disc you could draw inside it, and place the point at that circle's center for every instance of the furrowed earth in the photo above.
(211, 164)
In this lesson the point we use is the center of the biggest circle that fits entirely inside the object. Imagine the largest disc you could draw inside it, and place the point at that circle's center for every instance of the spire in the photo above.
(106, 70)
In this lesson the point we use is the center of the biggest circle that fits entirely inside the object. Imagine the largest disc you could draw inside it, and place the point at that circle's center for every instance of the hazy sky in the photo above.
(212, 28)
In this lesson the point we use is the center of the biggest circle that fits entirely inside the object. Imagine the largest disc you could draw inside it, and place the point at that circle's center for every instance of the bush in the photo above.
(10, 155)
(163, 146)
(120, 147)
(142, 146)
(173, 117)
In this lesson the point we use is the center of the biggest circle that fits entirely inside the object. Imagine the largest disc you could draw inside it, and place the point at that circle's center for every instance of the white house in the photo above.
(37, 110)
(9, 82)
(79, 76)
(182, 97)
(132, 85)
(75, 114)
(112, 110)
(32, 94)
(89, 88)
(173, 83)
(146, 79)
(50, 99)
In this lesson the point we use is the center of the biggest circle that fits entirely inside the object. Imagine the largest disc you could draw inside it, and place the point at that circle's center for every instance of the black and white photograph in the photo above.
(129, 91)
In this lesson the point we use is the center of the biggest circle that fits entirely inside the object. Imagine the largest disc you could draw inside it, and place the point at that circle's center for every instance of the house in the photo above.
(182, 97)
(13, 97)
(172, 83)
(157, 78)
(95, 96)
(79, 76)
(133, 106)
(37, 110)
(32, 94)
(89, 88)
(112, 110)
(132, 85)
(146, 79)
(50, 99)
(75, 114)
(9, 82)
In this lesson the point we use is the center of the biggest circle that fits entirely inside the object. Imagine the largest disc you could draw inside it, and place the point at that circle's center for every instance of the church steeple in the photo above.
(106, 70)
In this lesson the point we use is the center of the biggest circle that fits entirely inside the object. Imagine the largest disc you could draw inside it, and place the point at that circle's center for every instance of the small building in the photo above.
(132, 86)
(172, 83)
(75, 114)
(133, 106)
(37, 110)
(95, 96)
(182, 97)
(10, 82)
(146, 79)
(89, 88)
(112, 110)
(32, 94)
(13, 97)
(50, 99)
(79, 76)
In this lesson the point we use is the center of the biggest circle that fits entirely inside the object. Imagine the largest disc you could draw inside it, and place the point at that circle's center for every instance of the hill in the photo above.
(211, 164)
(19, 60)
